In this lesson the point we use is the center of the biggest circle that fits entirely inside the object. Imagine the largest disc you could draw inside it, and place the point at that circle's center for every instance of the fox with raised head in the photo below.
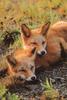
(35, 38)
(48, 41)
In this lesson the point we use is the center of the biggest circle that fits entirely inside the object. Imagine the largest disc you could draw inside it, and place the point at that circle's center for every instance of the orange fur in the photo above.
(21, 64)
(56, 35)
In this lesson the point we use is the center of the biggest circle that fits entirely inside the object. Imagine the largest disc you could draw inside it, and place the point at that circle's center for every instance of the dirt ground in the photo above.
(57, 74)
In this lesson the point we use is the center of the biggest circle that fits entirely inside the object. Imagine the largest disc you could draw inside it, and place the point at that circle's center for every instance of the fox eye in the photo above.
(23, 70)
(43, 42)
(32, 67)
(34, 43)
(33, 50)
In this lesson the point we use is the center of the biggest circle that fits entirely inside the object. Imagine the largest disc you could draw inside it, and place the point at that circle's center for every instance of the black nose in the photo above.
(33, 78)
(43, 53)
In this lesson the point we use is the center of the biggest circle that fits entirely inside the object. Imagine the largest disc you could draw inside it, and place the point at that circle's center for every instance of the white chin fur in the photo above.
(45, 52)
(23, 77)
(29, 79)
(39, 52)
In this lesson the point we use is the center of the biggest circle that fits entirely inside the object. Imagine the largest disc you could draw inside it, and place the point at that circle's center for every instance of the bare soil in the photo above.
(57, 74)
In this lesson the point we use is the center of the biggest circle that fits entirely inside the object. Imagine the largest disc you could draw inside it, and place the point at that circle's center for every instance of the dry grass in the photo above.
(31, 12)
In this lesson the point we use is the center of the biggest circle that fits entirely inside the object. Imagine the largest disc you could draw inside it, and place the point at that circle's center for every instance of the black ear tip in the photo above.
(25, 30)
(48, 23)
(8, 57)
(11, 60)
(23, 25)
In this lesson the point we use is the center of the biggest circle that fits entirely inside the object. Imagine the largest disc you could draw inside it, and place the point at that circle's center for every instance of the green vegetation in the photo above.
(4, 94)
(49, 91)
(47, 85)
(3, 90)
(13, 97)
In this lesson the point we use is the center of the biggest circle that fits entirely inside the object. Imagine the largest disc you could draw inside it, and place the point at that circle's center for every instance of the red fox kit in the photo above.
(21, 65)
(48, 42)
(35, 38)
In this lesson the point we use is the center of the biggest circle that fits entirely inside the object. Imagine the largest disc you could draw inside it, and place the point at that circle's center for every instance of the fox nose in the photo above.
(33, 78)
(43, 53)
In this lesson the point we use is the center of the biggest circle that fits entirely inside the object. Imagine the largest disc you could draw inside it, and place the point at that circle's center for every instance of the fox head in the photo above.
(35, 38)
(23, 69)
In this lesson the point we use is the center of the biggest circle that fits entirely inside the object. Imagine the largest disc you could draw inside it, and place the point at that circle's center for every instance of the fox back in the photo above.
(56, 42)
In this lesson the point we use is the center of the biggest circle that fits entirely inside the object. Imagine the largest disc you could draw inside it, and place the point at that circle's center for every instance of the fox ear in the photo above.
(26, 31)
(11, 60)
(45, 28)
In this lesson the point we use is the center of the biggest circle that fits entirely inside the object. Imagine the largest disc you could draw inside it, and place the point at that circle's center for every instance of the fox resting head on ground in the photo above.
(21, 65)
